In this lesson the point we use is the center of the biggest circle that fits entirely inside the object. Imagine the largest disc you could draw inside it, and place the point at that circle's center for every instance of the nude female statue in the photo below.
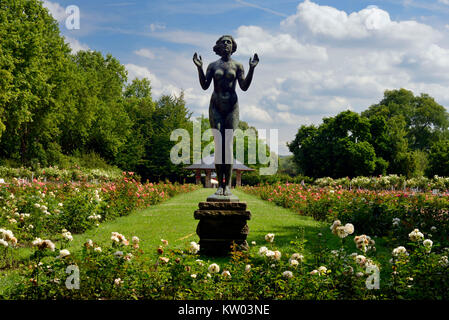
(223, 107)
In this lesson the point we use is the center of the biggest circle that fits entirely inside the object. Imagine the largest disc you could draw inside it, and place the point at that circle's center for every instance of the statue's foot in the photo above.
(227, 191)
(219, 191)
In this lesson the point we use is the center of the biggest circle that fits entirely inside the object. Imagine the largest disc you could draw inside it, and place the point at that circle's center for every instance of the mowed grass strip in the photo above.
(173, 221)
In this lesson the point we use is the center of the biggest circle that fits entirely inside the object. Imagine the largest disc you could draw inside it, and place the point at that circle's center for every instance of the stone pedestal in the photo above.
(222, 223)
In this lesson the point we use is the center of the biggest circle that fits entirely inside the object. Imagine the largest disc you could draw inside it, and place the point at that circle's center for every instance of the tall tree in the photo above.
(426, 121)
(32, 57)
(439, 159)
(93, 113)
(170, 113)
(429, 123)
(338, 147)
(140, 107)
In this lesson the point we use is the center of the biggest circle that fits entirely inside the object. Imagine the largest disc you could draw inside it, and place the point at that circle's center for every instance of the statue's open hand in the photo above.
(197, 62)
(253, 63)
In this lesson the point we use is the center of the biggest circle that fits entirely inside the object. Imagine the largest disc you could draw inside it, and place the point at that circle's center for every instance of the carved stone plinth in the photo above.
(222, 223)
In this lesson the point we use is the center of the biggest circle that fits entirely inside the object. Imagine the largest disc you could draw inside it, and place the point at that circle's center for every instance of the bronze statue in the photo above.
(223, 107)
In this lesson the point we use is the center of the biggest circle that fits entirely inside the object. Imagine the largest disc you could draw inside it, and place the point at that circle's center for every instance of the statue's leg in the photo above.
(231, 123)
(223, 157)
(216, 123)
(228, 178)
(219, 169)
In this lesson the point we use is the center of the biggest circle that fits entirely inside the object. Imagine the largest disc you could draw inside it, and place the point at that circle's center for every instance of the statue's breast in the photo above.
(227, 74)
(230, 75)
(219, 73)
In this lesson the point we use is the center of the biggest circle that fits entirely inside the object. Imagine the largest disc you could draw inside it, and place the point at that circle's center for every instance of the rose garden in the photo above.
(94, 205)
(136, 241)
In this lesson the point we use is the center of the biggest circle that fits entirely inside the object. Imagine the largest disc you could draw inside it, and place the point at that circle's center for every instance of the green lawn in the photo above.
(173, 221)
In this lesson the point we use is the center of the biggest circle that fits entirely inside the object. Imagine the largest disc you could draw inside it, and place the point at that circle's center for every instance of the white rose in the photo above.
(64, 253)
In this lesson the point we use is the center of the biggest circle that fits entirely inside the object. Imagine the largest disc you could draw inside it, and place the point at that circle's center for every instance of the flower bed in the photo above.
(62, 175)
(378, 213)
(390, 182)
(39, 209)
(417, 270)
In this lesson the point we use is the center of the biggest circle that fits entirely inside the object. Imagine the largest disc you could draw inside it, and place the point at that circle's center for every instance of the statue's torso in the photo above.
(225, 78)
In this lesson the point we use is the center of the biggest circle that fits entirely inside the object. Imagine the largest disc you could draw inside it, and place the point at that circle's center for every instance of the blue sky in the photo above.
(317, 58)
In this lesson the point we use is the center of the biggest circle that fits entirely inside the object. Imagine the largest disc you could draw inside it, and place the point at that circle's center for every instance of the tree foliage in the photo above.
(439, 159)
(54, 103)
(394, 136)
(426, 121)
(339, 147)
(33, 59)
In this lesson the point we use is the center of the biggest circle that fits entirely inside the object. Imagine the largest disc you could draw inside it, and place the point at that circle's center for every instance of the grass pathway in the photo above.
(173, 221)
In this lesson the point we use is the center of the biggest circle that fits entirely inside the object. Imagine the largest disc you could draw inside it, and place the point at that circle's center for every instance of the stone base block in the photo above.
(221, 247)
(221, 224)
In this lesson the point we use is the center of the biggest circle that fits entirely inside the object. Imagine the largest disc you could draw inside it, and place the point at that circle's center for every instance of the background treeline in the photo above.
(403, 134)
(63, 109)
(56, 107)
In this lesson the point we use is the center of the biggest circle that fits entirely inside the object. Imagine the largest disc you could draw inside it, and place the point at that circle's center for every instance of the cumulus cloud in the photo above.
(56, 10)
(290, 118)
(75, 45)
(254, 113)
(317, 22)
(253, 39)
(146, 53)
(140, 72)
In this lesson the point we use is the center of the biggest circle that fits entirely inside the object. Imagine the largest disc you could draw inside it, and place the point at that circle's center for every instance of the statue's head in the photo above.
(225, 43)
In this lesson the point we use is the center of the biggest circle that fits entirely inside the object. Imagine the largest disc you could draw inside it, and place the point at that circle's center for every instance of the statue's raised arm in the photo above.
(246, 82)
(205, 80)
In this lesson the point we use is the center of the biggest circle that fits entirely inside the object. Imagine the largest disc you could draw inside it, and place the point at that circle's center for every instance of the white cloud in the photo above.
(56, 10)
(282, 107)
(75, 45)
(324, 22)
(253, 39)
(160, 86)
(290, 118)
(254, 113)
(146, 53)
(444, 1)
(139, 72)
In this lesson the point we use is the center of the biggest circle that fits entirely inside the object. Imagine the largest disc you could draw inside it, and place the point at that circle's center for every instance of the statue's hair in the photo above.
(217, 47)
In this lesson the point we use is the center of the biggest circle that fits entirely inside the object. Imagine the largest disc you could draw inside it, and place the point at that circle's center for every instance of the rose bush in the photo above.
(373, 212)
(119, 271)
(41, 210)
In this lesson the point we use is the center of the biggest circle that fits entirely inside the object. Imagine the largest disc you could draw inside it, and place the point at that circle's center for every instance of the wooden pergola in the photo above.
(208, 166)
